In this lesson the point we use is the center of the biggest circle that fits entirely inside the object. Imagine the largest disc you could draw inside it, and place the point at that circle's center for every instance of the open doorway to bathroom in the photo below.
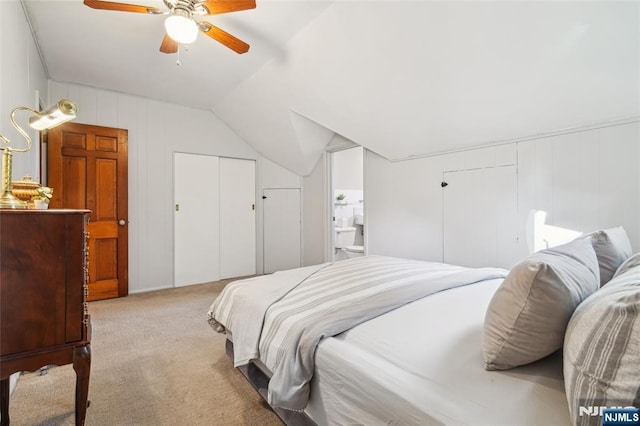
(347, 201)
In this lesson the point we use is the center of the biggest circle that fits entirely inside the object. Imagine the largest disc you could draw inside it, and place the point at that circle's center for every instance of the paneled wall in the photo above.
(584, 180)
(275, 176)
(22, 79)
(156, 131)
(22, 82)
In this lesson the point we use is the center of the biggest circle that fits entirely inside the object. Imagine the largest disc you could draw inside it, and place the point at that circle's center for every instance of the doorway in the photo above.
(347, 201)
(282, 214)
(87, 167)
(480, 210)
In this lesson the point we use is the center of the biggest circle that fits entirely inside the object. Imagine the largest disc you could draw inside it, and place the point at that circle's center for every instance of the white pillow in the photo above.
(528, 315)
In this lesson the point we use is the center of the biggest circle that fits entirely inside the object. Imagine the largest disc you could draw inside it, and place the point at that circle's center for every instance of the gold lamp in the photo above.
(61, 112)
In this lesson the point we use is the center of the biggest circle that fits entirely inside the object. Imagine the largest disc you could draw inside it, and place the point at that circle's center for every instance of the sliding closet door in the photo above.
(196, 219)
(480, 212)
(237, 217)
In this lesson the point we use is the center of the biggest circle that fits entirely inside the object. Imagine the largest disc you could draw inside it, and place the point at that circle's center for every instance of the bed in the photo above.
(417, 360)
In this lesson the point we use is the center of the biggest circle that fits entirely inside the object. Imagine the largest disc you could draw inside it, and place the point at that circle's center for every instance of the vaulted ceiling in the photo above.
(402, 78)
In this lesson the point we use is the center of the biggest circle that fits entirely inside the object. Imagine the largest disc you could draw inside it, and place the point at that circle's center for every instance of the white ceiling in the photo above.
(402, 78)
(119, 50)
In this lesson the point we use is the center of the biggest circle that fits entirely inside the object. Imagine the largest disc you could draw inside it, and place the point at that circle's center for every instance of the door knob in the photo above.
(121, 222)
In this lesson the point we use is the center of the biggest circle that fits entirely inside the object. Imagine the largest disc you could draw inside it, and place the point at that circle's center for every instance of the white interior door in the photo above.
(480, 217)
(281, 229)
(196, 219)
(237, 217)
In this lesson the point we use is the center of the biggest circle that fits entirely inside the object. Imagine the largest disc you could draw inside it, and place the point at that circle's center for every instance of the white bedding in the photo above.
(338, 298)
(418, 364)
(421, 364)
(291, 311)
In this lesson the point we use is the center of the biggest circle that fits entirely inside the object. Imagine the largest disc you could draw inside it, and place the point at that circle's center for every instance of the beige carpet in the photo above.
(155, 361)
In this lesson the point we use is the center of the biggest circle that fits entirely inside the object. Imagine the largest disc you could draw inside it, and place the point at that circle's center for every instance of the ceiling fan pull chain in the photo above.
(178, 61)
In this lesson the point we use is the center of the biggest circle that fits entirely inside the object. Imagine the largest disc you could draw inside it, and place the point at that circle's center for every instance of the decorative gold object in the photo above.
(25, 189)
(61, 112)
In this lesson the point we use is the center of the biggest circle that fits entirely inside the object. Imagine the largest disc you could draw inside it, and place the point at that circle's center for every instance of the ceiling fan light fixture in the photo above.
(181, 27)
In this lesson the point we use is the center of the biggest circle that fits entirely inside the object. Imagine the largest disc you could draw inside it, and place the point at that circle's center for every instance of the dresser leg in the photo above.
(4, 401)
(82, 366)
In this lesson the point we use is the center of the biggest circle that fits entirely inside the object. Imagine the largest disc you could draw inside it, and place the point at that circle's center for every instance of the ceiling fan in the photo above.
(180, 25)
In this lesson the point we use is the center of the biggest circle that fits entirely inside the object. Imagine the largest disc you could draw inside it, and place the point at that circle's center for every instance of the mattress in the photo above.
(421, 364)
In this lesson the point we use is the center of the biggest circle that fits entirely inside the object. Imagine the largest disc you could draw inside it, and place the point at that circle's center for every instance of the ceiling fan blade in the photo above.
(216, 7)
(223, 37)
(168, 45)
(122, 7)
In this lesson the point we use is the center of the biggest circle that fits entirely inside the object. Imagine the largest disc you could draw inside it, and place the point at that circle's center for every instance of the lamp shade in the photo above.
(181, 28)
(59, 113)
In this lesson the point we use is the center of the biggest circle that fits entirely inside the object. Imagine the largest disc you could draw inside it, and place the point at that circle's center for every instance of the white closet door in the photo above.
(480, 212)
(196, 219)
(237, 217)
(281, 229)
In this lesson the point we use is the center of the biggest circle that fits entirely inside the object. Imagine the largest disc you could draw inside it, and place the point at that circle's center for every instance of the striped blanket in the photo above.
(239, 309)
(329, 300)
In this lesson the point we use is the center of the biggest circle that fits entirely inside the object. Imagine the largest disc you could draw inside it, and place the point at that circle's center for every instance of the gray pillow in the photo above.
(612, 247)
(602, 349)
(528, 315)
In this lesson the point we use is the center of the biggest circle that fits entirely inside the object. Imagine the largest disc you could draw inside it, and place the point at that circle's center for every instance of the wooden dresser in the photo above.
(43, 312)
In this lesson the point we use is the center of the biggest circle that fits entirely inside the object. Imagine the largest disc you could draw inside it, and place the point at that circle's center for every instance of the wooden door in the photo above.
(281, 229)
(87, 168)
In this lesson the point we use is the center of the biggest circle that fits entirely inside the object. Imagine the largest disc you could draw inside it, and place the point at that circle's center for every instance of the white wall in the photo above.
(585, 181)
(21, 75)
(314, 214)
(156, 130)
(275, 176)
(348, 169)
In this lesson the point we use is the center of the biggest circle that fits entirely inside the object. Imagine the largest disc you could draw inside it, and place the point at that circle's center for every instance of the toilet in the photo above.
(354, 251)
(344, 242)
